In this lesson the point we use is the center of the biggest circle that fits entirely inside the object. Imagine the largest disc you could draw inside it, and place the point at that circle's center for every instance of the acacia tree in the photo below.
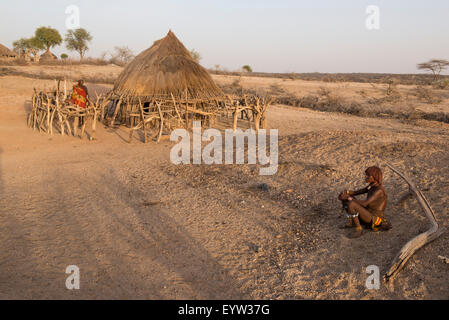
(47, 37)
(76, 40)
(247, 68)
(436, 66)
(122, 55)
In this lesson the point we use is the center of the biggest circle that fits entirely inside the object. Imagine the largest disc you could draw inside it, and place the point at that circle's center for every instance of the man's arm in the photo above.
(358, 192)
(365, 203)
(346, 194)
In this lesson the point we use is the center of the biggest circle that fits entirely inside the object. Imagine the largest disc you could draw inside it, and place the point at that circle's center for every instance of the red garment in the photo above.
(79, 96)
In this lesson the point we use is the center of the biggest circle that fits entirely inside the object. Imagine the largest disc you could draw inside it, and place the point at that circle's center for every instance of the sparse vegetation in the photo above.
(196, 55)
(30, 44)
(47, 38)
(247, 68)
(77, 40)
(436, 66)
(372, 78)
(426, 95)
(122, 56)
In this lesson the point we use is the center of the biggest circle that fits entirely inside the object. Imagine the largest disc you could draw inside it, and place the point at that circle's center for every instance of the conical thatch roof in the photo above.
(166, 68)
(5, 52)
(47, 55)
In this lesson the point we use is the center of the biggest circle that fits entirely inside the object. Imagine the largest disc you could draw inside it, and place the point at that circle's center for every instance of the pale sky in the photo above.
(270, 36)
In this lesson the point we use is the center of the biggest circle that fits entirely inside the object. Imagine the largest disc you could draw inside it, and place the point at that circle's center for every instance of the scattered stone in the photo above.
(444, 259)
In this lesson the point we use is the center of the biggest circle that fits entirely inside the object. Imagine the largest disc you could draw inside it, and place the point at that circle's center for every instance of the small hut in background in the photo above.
(6, 54)
(48, 56)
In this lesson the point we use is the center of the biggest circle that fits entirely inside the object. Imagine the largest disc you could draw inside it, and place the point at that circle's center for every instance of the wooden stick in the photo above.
(161, 121)
(94, 125)
(83, 127)
(35, 113)
(420, 240)
(131, 132)
(48, 114)
(75, 125)
(142, 117)
(176, 108)
(117, 107)
(51, 120)
(234, 123)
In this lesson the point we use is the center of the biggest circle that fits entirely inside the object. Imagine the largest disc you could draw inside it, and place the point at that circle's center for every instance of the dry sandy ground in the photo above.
(140, 227)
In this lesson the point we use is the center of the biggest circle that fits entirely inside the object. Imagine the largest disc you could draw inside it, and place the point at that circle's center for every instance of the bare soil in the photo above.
(139, 227)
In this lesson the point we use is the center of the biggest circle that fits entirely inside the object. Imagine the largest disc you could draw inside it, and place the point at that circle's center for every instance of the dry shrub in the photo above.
(426, 95)
(363, 93)
(276, 90)
(335, 103)
(73, 62)
(15, 62)
(4, 72)
(235, 88)
(44, 76)
(324, 92)
(330, 78)
(392, 93)
(441, 84)
(290, 100)
(436, 116)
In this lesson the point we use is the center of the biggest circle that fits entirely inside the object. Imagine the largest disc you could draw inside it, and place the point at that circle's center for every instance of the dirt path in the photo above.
(139, 227)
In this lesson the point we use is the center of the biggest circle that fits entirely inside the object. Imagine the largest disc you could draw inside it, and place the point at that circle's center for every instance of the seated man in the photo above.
(370, 212)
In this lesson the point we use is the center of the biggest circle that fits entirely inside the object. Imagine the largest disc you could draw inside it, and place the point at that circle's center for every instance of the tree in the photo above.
(47, 37)
(436, 66)
(25, 45)
(217, 67)
(196, 55)
(247, 68)
(76, 40)
(64, 56)
(122, 55)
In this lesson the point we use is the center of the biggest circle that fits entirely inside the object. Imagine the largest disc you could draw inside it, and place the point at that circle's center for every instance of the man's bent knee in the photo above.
(352, 205)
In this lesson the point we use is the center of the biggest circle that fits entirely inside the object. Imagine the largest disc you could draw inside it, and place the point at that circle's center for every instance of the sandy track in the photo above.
(139, 227)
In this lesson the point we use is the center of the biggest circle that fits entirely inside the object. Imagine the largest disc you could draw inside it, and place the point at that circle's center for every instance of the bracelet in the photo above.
(353, 215)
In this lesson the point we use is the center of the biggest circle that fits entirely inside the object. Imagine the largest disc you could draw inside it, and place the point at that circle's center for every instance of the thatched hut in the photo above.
(7, 54)
(165, 69)
(48, 56)
(164, 88)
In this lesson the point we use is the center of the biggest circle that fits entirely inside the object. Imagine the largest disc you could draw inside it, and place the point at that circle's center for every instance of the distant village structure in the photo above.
(28, 55)
(48, 56)
(6, 54)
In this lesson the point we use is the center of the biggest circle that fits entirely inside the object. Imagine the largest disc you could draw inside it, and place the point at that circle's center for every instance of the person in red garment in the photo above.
(80, 97)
